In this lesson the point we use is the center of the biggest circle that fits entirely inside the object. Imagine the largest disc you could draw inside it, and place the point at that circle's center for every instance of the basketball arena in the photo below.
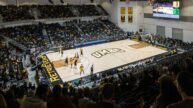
(96, 53)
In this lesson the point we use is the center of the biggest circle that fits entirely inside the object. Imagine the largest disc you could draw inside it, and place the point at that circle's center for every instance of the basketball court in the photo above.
(102, 56)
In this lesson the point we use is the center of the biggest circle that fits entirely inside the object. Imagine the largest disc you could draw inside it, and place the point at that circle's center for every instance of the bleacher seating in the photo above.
(28, 12)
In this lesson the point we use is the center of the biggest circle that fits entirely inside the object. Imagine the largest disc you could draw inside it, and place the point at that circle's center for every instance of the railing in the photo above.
(90, 43)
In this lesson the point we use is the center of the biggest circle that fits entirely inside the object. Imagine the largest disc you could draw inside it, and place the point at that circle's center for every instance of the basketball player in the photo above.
(66, 61)
(71, 62)
(91, 71)
(151, 39)
(81, 51)
(81, 69)
(75, 63)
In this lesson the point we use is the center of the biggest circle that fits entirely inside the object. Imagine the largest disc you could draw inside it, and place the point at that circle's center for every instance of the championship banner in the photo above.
(130, 10)
(130, 14)
(130, 18)
(122, 18)
(123, 10)
(51, 73)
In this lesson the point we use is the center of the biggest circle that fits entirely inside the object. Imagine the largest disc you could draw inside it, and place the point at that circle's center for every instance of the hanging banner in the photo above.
(130, 10)
(130, 18)
(130, 14)
(122, 18)
(123, 10)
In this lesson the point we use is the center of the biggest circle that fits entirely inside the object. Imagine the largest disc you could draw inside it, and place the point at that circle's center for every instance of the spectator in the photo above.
(107, 98)
(168, 93)
(20, 95)
(11, 99)
(39, 100)
(86, 102)
(27, 12)
(66, 96)
(58, 100)
(3, 103)
(184, 82)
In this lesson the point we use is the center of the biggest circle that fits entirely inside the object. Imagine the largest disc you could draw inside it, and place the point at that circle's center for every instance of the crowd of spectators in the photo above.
(28, 35)
(11, 67)
(63, 34)
(27, 12)
(71, 32)
(97, 30)
(168, 42)
(113, 30)
(66, 34)
(52, 11)
(90, 10)
(12, 13)
(92, 30)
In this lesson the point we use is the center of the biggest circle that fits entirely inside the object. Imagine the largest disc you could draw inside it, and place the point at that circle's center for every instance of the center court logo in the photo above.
(103, 52)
